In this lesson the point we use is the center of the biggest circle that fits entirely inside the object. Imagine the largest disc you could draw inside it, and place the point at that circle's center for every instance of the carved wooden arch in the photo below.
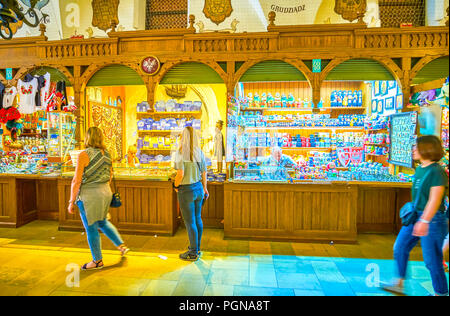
(94, 68)
(171, 64)
(387, 63)
(422, 63)
(25, 70)
(298, 64)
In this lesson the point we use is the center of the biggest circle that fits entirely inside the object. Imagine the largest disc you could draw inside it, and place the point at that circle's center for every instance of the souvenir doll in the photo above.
(256, 101)
(278, 100)
(284, 101)
(291, 100)
(263, 100)
(250, 100)
(270, 100)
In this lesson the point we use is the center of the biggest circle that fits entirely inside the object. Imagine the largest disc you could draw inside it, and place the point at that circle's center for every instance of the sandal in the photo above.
(189, 256)
(124, 250)
(97, 265)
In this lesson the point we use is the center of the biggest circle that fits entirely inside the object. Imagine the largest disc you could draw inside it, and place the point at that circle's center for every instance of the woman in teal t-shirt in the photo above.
(431, 228)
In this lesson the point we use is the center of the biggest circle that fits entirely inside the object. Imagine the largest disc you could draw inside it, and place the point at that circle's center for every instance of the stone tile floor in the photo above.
(37, 259)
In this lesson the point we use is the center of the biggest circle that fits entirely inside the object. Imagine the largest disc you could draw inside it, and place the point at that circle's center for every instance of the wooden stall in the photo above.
(148, 208)
(25, 198)
(311, 212)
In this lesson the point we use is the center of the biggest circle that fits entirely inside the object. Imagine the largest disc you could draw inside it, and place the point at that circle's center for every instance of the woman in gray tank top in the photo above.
(92, 194)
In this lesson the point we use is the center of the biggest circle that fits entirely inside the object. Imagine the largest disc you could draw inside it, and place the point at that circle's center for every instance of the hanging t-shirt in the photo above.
(2, 90)
(9, 96)
(27, 93)
(45, 90)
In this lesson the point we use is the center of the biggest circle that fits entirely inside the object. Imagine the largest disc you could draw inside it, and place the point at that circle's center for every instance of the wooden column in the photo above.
(80, 103)
(406, 82)
(151, 85)
(316, 84)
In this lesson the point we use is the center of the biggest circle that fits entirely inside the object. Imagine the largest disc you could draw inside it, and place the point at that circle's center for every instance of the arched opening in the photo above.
(112, 96)
(368, 89)
(269, 97)
(188, 92)
(44, 98)
(430, 98)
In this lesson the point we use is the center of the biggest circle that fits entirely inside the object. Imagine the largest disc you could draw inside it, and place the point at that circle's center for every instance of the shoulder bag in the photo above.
(116, 201)
(408, 213)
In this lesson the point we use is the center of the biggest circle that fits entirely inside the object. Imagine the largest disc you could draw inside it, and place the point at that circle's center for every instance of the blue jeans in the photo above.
(93, 236)
(191, 198)
(431, 250)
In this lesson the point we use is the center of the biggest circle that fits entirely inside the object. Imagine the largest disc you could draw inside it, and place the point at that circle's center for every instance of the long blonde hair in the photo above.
(189, 144)
(94, 138)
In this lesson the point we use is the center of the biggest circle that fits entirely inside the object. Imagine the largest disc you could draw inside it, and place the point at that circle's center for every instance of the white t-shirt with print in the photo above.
(9, 96)
(27, 94)
(45, 91)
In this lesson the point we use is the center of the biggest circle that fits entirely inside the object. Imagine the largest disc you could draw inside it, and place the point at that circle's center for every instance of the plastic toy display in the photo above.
(61, 134)
(346, 99)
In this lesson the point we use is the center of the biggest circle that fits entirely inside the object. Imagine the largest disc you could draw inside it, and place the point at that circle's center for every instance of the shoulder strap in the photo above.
(420, 187)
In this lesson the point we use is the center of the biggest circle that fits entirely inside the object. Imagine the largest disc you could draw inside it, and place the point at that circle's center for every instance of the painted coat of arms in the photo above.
(104, 12)
(217, 10)
(351, 10)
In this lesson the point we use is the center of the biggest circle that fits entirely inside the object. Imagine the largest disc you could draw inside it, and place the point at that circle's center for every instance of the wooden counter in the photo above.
(148, 208)
(25, 198)
(312, 211)
(297, 212)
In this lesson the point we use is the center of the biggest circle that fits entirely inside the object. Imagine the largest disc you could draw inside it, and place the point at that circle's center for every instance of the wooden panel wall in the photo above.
(291, 212)
(8, 202)
(47, 199)
(212, 211)
(147, 208)
(26, 201)
(300, 90)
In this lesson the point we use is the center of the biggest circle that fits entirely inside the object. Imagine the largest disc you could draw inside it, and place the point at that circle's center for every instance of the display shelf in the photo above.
(377, 130)
(160, 131)
(348, 108)
(307, 128)
(294, 148)
(372, 144)
(149, 114)
(157, 149)
(375, 155)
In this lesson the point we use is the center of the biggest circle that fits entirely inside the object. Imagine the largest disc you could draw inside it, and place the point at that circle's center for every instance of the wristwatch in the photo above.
(424, 221)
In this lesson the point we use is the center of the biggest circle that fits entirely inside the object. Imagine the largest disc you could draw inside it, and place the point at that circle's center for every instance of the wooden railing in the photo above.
(78, 48)
(297, 39)
(416, 38)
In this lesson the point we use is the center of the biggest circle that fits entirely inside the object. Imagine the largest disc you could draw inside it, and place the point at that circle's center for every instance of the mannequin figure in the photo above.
(131, 159)
(219, 147)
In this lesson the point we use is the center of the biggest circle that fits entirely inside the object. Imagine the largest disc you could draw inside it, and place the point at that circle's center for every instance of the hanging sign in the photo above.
(9, 74)
(317, 65)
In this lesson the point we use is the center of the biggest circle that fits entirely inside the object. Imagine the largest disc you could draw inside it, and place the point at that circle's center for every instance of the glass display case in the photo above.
(266, 174)
(61, 135)
(126, 172)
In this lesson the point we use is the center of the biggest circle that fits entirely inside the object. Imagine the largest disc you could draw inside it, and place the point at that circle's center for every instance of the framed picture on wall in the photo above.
(384, 88)
(389, 105)
(380, 106)
(376, 89)
(374, 106)
(399, 102)
(392, 84)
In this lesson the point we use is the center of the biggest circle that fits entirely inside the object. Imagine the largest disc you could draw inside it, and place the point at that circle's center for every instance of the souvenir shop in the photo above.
(290, 157)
